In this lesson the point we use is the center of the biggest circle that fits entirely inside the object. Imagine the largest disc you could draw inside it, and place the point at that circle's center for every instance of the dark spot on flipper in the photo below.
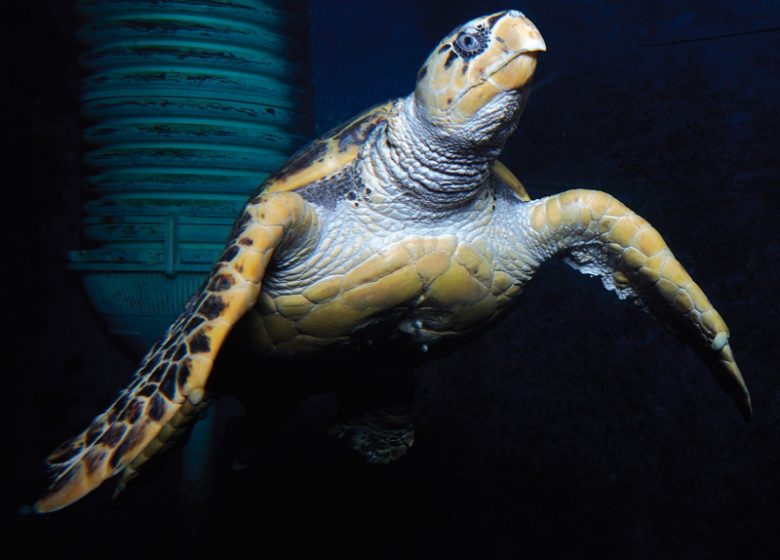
(130, 440)
(230, 253)
(114, 460)
(212, 307)
(199, 343)
(244, 219)
(465, 67)
(180, 352)
(422, 73)
(133, 412)
(157, 374)
(444, 48)
(246, 241)
(450, 59)
(65, 452)
(118, 407)
(113, 435)
(155, 347)
(500, 40)
(156, 408)
(137, 382)
(94, 430)
(176, 325)
(184, 374)
(189, 309)
(150, 364)
(351, 195)
(195, 322)
(221, 282)
(147, 390)
(168, 384)
(356, 133)
(147, 367)
(93, 459)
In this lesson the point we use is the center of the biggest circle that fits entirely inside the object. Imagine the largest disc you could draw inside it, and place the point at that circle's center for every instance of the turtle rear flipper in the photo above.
(169, 385)
(376, 414)
(379, 436)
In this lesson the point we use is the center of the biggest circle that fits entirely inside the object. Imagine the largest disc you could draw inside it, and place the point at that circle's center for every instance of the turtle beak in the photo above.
(519, 34)
(520, 37)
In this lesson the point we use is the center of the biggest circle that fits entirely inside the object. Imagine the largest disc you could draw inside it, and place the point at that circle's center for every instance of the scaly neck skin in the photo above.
(419, 166)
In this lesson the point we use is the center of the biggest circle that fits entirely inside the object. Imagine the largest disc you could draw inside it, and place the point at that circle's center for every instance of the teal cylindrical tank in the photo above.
(188, 105)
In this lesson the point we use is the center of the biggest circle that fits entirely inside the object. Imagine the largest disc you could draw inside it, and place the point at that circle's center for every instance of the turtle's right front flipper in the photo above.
(171, 379)
(599, 236)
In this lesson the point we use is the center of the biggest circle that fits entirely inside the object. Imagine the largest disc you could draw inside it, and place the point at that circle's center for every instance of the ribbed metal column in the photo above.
(189, 105)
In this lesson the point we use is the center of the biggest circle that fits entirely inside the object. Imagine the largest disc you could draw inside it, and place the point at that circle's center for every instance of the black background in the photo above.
(578, 428)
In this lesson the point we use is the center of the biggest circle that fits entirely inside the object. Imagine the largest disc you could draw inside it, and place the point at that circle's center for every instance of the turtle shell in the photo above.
(328, 154)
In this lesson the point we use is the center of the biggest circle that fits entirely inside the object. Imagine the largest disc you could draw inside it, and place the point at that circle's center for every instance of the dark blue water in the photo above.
(577, 428)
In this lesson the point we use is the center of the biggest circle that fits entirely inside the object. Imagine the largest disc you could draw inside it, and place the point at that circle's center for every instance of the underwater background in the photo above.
(577, 428)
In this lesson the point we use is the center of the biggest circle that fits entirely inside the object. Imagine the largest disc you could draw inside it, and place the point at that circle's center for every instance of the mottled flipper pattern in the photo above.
(380, 437)
(169, 385)
(600, 236)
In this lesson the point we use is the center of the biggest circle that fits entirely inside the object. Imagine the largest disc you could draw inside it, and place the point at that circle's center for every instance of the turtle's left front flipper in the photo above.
(599, 236)
(170, 382)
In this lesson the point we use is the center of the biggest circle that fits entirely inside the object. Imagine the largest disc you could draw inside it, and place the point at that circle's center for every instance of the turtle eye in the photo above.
(469, 43)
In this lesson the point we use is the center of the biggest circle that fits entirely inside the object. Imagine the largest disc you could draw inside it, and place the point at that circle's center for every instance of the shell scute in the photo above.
(329, 154)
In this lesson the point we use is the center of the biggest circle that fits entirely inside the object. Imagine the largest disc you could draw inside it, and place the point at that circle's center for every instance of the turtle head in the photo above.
(476, 82)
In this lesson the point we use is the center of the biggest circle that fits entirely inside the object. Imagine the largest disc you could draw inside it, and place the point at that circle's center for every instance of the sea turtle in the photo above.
(390, 236)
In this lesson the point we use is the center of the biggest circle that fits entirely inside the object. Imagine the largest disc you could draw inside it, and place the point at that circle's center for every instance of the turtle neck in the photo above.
(417, 165)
